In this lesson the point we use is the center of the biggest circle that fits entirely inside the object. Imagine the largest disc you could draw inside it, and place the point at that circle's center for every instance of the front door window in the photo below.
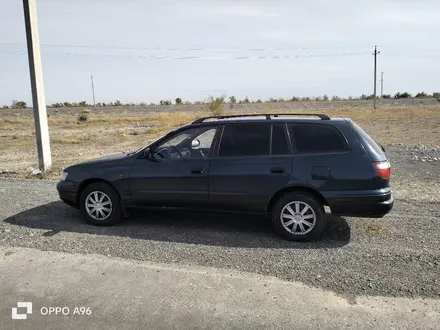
(192, 143)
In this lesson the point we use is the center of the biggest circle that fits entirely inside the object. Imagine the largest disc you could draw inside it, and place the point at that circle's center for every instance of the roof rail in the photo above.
(268, 116)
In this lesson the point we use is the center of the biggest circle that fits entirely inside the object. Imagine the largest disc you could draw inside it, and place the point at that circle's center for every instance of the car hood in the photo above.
(110, 159)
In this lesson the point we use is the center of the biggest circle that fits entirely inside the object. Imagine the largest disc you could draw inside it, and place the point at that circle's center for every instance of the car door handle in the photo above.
(197, 170)
(277, 170)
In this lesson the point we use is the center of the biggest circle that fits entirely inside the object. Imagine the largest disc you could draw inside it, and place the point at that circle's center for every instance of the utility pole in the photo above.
(375, 74)
(93, 91)
(381, 85)
(37, 86)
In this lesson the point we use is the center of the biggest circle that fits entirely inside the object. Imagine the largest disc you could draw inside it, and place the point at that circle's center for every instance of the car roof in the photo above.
(263, 118)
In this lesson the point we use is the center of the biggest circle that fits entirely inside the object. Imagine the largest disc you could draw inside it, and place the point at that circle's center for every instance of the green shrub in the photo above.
(215, 105)
(83, 117)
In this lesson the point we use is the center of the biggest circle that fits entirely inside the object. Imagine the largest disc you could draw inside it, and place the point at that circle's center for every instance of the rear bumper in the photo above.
(67, 190)
(360, 203)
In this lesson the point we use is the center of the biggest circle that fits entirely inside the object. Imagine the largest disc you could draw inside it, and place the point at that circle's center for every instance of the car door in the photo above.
(253, 162)
(176, 172)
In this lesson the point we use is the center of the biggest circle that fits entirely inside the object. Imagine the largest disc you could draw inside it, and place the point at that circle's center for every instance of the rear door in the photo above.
(328, 157)
(253, 161)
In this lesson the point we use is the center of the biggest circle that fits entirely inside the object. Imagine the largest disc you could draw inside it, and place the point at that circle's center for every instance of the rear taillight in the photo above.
(383, 169)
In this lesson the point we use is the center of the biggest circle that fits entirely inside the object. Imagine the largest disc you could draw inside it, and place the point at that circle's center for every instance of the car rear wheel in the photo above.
(299, 217)
(100, 204)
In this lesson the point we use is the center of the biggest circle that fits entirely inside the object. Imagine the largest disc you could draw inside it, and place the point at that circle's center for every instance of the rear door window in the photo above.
(250, 139)
(313, 139)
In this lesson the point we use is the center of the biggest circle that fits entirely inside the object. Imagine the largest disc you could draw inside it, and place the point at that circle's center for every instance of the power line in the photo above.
(296, 48)
(293, 48)
(273, 57)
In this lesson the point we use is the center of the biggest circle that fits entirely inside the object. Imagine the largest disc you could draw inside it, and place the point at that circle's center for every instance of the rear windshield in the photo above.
(368, 140)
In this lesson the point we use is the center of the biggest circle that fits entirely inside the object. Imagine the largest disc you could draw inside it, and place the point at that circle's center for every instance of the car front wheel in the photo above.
(299, 217)
(100, 204)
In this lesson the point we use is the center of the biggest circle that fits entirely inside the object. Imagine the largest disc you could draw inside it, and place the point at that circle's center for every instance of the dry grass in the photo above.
(69, 140)
(107, 133)
(375, 230)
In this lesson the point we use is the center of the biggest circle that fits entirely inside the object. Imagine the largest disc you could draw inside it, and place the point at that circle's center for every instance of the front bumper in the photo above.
(362, 203)
(67, 190)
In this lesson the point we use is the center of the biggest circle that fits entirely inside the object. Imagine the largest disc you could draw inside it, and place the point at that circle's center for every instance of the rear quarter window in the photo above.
(313, 139)
(368, 140)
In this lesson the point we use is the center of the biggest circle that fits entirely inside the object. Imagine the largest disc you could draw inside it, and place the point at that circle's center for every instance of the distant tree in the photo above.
(67, 104)
(325, 97)
(421, 94)
(103, 104)
(318, 98)
(18, 104)
(369, 97)
(386, 96)
(152, 103)
(232, 100)
(364, 97)
(272, 100)
(336, 98)
(305, 98)
(5, 107)
(117, 103)
(246, 100)
(295, 99)
(436, 95)
(259, 101)
(178, 101)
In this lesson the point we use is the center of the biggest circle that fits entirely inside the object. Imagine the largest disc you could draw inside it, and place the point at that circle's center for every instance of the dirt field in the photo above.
(107, 132)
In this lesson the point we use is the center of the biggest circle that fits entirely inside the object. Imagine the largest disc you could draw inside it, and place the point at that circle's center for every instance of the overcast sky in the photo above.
(147, 50)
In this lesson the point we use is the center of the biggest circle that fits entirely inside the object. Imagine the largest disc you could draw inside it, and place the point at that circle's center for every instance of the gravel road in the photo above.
(397, 256)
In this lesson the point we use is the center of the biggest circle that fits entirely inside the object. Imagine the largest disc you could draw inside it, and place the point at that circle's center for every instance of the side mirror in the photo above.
(195, 144)
(148, 152)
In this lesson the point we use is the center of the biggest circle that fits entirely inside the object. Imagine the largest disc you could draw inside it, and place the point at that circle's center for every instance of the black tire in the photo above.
(317, 209)
(115, 215)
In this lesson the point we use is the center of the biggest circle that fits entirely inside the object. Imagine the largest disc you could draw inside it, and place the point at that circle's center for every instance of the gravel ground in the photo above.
(397, 256)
